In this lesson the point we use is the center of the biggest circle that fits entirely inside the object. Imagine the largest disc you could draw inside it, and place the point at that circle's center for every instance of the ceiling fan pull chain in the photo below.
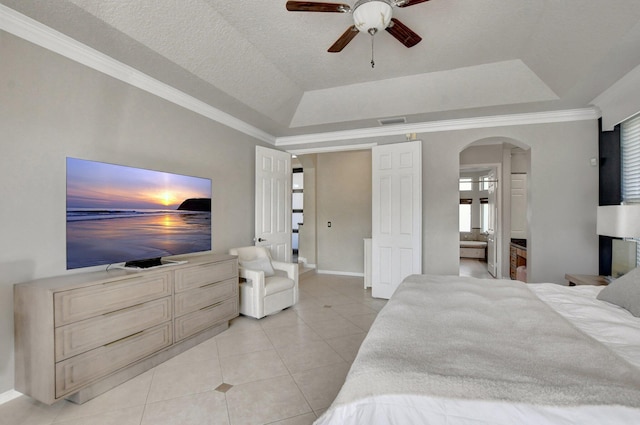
(372, 62)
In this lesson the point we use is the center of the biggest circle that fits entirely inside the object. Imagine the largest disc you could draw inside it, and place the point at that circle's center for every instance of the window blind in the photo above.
(630, 145)
(630, 151)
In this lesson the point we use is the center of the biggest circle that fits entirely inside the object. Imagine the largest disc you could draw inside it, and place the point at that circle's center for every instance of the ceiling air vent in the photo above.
(391, 121)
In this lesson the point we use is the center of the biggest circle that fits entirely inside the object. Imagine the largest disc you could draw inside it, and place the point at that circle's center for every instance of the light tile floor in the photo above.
(284, 369)
(474, 268)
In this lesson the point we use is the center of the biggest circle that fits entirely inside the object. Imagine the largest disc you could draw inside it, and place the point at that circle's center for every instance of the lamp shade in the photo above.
(372, 14)
(619, 221)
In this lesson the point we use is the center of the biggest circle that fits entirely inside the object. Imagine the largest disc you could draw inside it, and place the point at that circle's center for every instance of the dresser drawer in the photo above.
(82, 369)
(204, 296)
(194, 277)
(83, 303)
(86, 335)
(197, 321)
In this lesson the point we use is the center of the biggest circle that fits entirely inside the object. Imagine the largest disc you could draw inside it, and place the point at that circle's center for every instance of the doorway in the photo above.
(478, 220)
(511, 161)
(297, 207)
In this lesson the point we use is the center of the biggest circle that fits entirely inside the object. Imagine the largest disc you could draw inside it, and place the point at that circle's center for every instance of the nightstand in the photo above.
(585, 279)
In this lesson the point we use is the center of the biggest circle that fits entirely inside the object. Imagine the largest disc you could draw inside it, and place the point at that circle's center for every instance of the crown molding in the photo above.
(337, 148)
(590, 113)
(37, 33)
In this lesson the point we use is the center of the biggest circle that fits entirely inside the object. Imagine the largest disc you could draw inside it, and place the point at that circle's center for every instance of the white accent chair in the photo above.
(269, 286)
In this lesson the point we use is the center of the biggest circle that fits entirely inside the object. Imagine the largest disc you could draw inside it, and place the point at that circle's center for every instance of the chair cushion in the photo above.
(275, 284)
(259, 264)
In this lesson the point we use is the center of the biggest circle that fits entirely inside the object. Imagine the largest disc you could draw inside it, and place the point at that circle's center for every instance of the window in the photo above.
(630, 146)
(466, 184)
(465, 215)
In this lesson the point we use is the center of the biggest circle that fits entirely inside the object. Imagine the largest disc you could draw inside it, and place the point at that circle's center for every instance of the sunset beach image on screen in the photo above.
(121, 214)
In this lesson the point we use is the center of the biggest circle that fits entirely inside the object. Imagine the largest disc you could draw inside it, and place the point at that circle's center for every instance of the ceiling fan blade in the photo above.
(344, 39)
(312, 6)
(409, 3)
(402, 33)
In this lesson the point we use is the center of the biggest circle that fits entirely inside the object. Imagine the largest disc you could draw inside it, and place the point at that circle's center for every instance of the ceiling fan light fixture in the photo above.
(371, 16)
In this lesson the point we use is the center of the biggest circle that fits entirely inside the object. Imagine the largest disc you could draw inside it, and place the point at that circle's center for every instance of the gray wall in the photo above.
(308, 237)
(563, 197)
(343, 197)
(51, 108)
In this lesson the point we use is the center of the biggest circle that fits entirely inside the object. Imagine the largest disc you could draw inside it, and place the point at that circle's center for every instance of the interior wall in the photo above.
(563, 191)
(519, 160)
(343, 196)
(51, 108)
(308, 231)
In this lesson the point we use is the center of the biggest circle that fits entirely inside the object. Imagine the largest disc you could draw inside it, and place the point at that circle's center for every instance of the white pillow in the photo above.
(624, 291)
(259, 264)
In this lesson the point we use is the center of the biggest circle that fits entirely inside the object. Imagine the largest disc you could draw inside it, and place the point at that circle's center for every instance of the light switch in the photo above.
(328, 224)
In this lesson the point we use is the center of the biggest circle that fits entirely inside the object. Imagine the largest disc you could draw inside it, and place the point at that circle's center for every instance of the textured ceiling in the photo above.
(270, 67)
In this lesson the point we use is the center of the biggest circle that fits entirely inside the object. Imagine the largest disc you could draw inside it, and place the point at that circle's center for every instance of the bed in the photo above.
(455, 350)
(473, 249)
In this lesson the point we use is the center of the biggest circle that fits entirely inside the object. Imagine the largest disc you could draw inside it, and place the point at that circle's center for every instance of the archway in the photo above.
(504, 163)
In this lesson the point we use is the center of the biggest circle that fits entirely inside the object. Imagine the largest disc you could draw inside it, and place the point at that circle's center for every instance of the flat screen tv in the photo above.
(118, 214)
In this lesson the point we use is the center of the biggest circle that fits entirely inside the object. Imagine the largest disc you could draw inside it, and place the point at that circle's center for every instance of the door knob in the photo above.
(261, 240)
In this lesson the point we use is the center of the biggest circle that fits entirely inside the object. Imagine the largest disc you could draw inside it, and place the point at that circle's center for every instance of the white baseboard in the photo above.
(340, 273)
(8, 396)
(305, 264)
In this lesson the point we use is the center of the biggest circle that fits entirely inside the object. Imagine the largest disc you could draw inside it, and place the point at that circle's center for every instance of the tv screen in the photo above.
(121, 214)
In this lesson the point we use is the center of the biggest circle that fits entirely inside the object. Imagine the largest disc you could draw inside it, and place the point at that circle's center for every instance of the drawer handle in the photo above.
(126, 279)
(122, 309)
(122, 339)
(212, 306)
(221, 283)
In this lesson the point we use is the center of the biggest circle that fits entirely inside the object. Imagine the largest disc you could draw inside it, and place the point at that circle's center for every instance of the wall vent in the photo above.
(391, 121)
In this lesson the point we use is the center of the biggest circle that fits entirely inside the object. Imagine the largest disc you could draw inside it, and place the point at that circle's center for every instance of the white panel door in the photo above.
(519, 206)
(273, 202)
(396, 215)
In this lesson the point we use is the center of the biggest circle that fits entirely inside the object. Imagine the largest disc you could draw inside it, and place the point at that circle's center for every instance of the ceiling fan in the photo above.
(369, 16)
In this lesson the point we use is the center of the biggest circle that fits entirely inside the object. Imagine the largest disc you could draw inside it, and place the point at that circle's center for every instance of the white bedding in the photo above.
(612, 325)
(609, 324)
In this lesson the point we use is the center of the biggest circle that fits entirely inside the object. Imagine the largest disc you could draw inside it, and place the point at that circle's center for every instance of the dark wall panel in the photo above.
(610, 190)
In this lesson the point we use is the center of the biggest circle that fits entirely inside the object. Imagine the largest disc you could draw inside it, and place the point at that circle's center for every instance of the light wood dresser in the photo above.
(79, 335)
